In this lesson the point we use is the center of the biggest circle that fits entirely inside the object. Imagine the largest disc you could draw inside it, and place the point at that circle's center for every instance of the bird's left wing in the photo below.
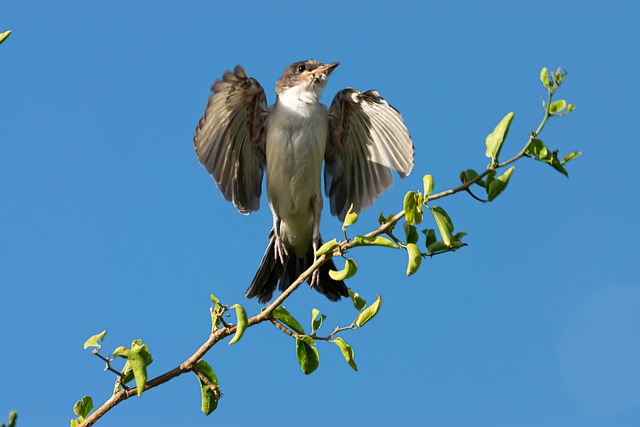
(229, 139)
(367, 139)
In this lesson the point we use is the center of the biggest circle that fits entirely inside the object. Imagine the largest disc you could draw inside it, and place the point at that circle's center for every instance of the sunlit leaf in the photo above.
(557, 106)
(215, 321)
(307, 354)
(3, 36)
(241, 314)
(373, 241)
(346, 351)
(350, 218)
(209, 397)
(570, 157)
(327, 248)
(415, 258)
(13, 416)
(444, 223)
(93, 340)
(544, 78)
(427, 182)
(498, 185)
(358, 302)
(537, 149)
(350, 268)
(138, 358)
(83, 407)
(316, 322)
(496, 138)
(413, 208)
(369, 312)
(281, 314)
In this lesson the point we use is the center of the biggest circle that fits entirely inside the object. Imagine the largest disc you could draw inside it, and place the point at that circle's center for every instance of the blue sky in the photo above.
(107, 221)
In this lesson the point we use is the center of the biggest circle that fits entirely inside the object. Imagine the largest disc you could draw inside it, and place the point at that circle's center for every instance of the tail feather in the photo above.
(272, 273)
(267, 276)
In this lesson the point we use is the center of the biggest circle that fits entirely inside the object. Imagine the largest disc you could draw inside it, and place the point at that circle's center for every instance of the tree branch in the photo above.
(219, 334)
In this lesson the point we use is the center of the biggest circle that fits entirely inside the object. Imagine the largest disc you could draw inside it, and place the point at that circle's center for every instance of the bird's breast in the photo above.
(295, 147)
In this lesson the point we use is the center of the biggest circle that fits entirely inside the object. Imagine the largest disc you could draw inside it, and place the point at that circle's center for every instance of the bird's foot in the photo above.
(315, 276)
(281, 251)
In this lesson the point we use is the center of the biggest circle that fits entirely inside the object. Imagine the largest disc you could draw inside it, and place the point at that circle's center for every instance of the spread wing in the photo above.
(367, 139)
(229, 139)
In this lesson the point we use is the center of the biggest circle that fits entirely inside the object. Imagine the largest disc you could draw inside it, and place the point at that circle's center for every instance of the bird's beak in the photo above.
(324, 70)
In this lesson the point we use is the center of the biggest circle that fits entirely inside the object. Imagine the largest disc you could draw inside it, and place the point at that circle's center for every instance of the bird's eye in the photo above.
(302, 68)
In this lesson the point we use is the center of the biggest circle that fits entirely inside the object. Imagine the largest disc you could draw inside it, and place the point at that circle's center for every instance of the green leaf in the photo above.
(216, 301)
(138, 358)
(374, 241)
(491, 175)
(430, 235)
(215, 321)
(537, 149)
(427, 182)
(316, 322)
(570, 157)
(281, 314)
(570, 108)
(444, 223)
(369, 313)
(413, 208)
(557, 165)
(307, 354)
(13, 416)
(358, 302)
(93, 340)
(558, 76)
(544, 78)
(458, 237)
(346, 351)
(241, 314)
(3, 36)
(437, 247)
(381, 219)
(327, 248)
(557, 106)
(209, 397)
(470, 175)
(350, 268)
(415, 258)
(83, 407)
(496, 138)
(411, 233)
(350, 218)
(498, 185)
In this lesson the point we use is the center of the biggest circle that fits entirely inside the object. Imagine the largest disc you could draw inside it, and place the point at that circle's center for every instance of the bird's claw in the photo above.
(315, 276)
(281, 251)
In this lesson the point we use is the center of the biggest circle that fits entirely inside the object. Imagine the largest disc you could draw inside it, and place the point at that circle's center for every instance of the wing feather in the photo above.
(229, 139)
(367, 140)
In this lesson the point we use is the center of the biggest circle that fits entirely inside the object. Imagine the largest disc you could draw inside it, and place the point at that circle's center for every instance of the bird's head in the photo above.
(307, 78)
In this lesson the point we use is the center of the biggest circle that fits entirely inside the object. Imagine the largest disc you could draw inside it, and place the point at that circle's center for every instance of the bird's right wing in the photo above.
(229, 139)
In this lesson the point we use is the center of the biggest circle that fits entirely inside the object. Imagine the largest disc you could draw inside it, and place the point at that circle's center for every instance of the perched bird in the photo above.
(361, 138)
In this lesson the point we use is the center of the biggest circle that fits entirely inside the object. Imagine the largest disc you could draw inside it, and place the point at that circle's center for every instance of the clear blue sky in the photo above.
(107, 221)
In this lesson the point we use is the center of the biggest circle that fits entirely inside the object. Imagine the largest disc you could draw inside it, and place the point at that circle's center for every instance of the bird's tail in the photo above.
(272, 271)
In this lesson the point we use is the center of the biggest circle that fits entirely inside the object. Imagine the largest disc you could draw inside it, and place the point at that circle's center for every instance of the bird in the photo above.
(360, 139)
